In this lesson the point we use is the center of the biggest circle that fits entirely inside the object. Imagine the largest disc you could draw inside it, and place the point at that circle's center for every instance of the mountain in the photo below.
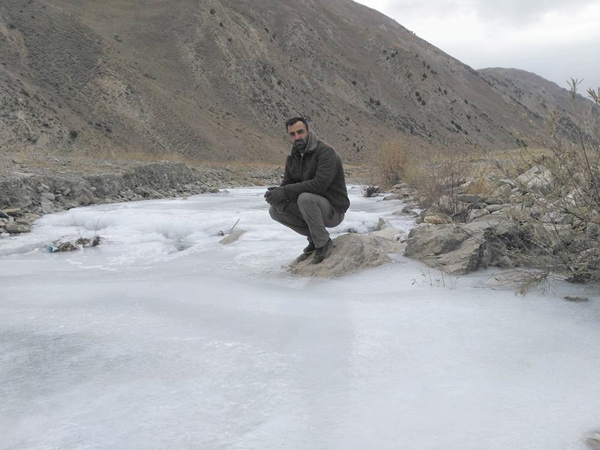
(535, 93)
(214, 80)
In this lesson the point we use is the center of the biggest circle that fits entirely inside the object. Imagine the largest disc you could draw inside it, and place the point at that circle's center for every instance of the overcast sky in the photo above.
(557, 39)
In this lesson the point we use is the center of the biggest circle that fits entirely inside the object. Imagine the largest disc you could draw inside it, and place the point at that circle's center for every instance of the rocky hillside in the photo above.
(214, 80)
(537, 95)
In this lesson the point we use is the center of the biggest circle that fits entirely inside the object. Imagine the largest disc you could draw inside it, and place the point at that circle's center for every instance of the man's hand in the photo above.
(275, 195)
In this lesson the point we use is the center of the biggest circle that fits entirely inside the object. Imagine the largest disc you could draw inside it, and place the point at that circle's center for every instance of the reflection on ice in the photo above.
(163, 338)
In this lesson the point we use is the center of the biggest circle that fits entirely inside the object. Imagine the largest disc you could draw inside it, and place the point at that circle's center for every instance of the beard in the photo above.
(300, 145)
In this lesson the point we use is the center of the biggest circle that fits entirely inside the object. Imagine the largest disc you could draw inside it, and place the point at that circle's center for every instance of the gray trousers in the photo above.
(309, 216)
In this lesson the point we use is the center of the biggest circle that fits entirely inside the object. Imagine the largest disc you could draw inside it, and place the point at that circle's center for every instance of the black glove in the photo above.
(275, 195)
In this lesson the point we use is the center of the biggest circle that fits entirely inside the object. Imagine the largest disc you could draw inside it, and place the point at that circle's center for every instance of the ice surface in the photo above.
(161, 338)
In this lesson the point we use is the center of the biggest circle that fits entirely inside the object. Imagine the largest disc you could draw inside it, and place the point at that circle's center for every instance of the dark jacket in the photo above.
(317, 170)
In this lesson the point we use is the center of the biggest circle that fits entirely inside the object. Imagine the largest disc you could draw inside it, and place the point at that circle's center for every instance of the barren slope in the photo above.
(215, 79)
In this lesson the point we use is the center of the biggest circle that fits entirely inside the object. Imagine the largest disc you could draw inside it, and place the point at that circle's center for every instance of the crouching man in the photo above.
(313, 194)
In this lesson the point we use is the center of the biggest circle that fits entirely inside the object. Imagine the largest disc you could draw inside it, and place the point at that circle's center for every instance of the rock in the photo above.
(390, 197)
(428, 240)
(573, 298)
(477, 213)
(508, 181)
(234, 236)
(87, 242)
(13, 212)
(351, 252)
(392, 234)
(470, 198)
(381, 224)
(17, 228)
(447, 247)
(3, 215)
(538, 177)
(504, 262)
(25, 202)
(503, 191)
(437, 219)
(48, 196)
(459, 249)
(495, 208)
(494, 201)
(47, 206)
(593, 441)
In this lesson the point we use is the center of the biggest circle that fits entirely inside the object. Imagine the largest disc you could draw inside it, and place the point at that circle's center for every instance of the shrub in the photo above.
(370, 190)
(440, 178)
(394, 160)
(562, 235)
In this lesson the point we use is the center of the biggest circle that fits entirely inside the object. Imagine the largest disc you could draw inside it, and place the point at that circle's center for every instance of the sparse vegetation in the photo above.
(563, 233)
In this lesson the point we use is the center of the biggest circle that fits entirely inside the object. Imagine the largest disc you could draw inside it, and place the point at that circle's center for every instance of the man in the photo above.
(312, 195)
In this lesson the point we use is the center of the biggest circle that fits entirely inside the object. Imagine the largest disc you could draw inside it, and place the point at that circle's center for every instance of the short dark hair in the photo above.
(293, 120)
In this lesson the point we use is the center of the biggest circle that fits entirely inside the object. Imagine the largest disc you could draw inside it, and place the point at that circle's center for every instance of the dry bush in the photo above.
(395, 161)
(437, 175)
(440, 179)
(562, 233)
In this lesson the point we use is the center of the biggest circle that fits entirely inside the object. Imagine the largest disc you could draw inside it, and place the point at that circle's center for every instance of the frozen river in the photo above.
(161, 338)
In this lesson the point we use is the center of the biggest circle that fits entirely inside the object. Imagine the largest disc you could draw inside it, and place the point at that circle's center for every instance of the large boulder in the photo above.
(351, 253)
(538, 177)
(460, 249)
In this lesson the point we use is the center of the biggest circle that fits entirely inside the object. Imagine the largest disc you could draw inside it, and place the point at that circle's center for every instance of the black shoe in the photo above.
(309, 248)
(323, 252)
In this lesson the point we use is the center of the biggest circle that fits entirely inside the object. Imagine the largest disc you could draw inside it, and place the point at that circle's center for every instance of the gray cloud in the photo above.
(511, 12)
(554, 60)
(555, 63)
(519, 12)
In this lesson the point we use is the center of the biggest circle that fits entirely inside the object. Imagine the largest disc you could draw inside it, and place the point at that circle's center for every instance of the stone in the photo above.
(48, 196)
(576, 299)
(450, 250)
(593, 441)
(460, 249)
(470, 198)
(538, 177)
(504, 262)
(508, 181)
(477, 213)
(390, 233)
(494, 201)
(13, 212)
(350, 253)
(428, 240)
(47, 206)
(503, 191)
(496, 208)
(437, 219)
(16, 228)
(230, 238)
(381, 224)
(25, 202)
(390, 197)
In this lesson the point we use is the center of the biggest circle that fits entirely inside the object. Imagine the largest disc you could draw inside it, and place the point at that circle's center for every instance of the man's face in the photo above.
(298, 135)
